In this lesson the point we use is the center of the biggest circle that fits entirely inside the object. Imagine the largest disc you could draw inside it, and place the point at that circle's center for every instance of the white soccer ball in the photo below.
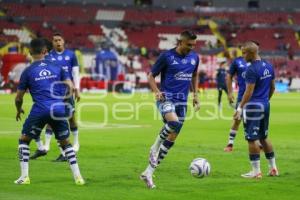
(200, 167)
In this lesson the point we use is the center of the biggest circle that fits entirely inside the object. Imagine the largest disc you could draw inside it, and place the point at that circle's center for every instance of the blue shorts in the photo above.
(34, 125)
(256, 121)
(168, 107)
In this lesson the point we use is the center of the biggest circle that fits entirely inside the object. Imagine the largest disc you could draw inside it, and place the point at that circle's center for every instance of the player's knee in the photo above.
(73, 123)
(175, 126)
(172, 137)
(24, 139)
(63, 142)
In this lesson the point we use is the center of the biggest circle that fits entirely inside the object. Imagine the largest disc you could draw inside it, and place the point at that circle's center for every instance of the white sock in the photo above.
(76, 138)
(232, 135)
(75, 170)
(40, 145)
(272, 163)
(157, 143)
(70, 154)
(47, 141)
(149, 170)
(256, 166)
(24, 153)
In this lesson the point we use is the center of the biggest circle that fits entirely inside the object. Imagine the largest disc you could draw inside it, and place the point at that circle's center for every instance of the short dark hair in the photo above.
(57, 34)
(37, 46)
(48, 44)
(188, 34)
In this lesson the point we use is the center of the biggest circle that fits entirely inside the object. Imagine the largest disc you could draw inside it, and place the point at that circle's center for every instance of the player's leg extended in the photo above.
(24, 152)
(61, 131)
(31, 129)
(71, 156)
(48, 136)
(251, 126)
(266, 144)
(232, 134)
(175, 126)
(220, 91)
(74, 130)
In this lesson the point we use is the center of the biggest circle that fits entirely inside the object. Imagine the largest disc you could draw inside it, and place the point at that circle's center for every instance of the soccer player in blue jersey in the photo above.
(255, 106)
(178, 70)
(237, 68)
(221, 80)
(68, 61)
(41, 78)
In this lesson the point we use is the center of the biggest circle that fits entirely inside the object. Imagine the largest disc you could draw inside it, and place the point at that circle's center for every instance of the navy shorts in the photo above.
(168, 107)
(34, 125)
(256, 121)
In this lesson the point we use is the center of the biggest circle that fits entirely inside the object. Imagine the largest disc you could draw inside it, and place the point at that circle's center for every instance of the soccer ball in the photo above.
(200, 167)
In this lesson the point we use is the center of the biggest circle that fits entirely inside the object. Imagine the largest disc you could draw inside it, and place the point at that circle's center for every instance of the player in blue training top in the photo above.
(260, 86)
(68, 61)
(41, 78)
(178, 70)
(237, 68)
(221, 80)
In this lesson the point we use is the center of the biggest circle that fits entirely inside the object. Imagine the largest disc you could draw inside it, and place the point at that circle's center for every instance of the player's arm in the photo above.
(22, 87)
(158, 95)
(251, 77)
(229, 77)
(19, 103)
(76, 78)
(246, 97)
(159, 65)
(272, 89)
(229, 88)
(69, 85)
(66, 79)
(195, 81)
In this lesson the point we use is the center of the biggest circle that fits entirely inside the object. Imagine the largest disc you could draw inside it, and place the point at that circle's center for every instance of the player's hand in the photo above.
(230, 98)
(77, 95)
(238, 114)
(159, 96)
(18, 116)
(196, 104)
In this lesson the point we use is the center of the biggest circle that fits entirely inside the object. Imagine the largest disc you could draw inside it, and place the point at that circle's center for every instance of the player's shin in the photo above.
(255, 163)
(163, 134)
(76, 138)
(24, 158)
(48, 136)
(164, 149)
(71, 156)
(39, 144)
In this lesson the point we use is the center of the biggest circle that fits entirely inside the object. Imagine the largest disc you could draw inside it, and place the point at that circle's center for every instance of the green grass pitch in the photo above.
(112, 156)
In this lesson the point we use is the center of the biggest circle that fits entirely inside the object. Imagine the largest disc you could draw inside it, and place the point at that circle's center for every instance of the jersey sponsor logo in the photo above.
(183, 76)
(45, 74)
(266, 74)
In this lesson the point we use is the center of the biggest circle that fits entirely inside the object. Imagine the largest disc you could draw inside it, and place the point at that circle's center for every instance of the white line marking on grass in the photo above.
(95, 125)
(9, 132)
